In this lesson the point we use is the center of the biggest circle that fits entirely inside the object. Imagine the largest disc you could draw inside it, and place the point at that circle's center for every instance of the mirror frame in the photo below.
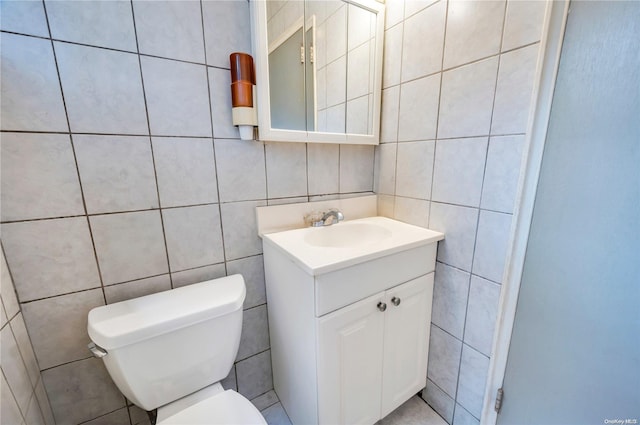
(260, 45)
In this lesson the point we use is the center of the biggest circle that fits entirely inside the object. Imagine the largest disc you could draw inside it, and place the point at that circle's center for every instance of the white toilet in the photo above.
(170, 350)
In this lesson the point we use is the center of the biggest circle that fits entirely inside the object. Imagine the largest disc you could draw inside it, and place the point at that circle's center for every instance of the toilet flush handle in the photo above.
(97, 351)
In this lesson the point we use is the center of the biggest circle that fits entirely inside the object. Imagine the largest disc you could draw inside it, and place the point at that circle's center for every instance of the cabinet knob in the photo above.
(382, 306)
(395, 301)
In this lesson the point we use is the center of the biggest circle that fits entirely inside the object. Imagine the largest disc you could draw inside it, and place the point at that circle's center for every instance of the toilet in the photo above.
(170, 350)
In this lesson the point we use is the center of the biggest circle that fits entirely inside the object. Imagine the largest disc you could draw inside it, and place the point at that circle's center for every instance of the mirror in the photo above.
(318, 69)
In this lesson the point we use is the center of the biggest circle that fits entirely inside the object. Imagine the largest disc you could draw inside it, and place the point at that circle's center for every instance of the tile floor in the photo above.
(413, 412)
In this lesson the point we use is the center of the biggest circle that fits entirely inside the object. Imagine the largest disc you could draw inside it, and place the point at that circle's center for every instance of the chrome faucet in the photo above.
(317, 219)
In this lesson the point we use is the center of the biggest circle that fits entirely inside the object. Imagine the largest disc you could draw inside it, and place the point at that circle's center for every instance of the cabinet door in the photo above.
(406, 341)
(349, 360)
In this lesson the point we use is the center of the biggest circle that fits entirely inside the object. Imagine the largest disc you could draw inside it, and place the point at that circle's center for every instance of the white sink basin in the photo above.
(322, 249)
(346, 234)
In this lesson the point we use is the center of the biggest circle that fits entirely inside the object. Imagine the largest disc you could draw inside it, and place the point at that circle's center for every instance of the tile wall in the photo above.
(24, 399)
(122, 175)
(457, 84)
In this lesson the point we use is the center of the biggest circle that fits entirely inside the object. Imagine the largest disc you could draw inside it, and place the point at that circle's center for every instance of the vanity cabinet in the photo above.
(349, 345)
(372, 354)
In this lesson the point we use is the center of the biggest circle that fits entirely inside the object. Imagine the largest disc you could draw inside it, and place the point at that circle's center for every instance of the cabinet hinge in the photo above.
(301, 53)
(499, 395)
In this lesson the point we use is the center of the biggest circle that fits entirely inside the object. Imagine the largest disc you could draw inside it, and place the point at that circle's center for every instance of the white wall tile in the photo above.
(116, 105)
(129, 245)
(335, 119)
(412, 211)
(136, 288)
(98, 23)
(222, 21)
(26, 17)
(81, 390)
(358, 115)
(26, 349)
(467, 100)
(513, 92)
(419, 109)
(15, 370)
(462, 417)
(34, 416)
(392, 58)
(444, 360)
(39, 178)
(185, 169)
(255, 332)
(394, 13)
(450, 295)
(286, 166)
(473, 374)
(176, 98)
(386, 205)
(200, 274)
(323, 162)
(117, 173)
(385, 169)
(194, 236)
(502, 173)
(474, 30)
(359, 25)
(10, 411)
(459, 227)
(170, 29)
(43, 401)
(459, 170)
(481, 314)
(337, 81)
(523, 23)
(358, 64)
(415, 169)
(50, 257)
(423, 42)
(439, 401)
(411, 7)
(389, 114)
(356, 168)
(241, 170)
(240, 229)
(31, 99)
(7, 290)
(491, 245)
(337, 34)
(58, 326)
(220, 96)
(252, 270)
(254, 375)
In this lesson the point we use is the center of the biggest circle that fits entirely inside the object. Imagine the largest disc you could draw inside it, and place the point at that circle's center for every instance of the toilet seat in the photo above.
(225, 408)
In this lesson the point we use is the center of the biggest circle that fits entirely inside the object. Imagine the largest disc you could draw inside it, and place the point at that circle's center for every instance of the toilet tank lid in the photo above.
(127, 322)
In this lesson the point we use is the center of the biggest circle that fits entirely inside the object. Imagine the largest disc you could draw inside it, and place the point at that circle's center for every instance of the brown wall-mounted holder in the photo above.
(242, 94)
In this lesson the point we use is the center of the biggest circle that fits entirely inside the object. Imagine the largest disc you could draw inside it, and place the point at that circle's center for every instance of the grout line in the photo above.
(475, 242)
(113, 49)
(153, 159)
(213, 144)
(67, 363)
(75, 156)
(435, 144)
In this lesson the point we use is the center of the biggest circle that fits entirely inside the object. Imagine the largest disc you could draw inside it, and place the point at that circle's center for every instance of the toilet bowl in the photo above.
(169, 351)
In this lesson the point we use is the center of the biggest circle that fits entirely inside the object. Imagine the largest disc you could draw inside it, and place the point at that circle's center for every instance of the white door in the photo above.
(406, 339)
(349, 359)
(574, 356)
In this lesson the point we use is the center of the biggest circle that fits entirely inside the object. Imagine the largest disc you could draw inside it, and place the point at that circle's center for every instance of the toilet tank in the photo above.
(164, 346)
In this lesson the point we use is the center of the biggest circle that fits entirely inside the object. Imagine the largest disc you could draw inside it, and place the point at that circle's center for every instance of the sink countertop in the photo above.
(315, 259)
